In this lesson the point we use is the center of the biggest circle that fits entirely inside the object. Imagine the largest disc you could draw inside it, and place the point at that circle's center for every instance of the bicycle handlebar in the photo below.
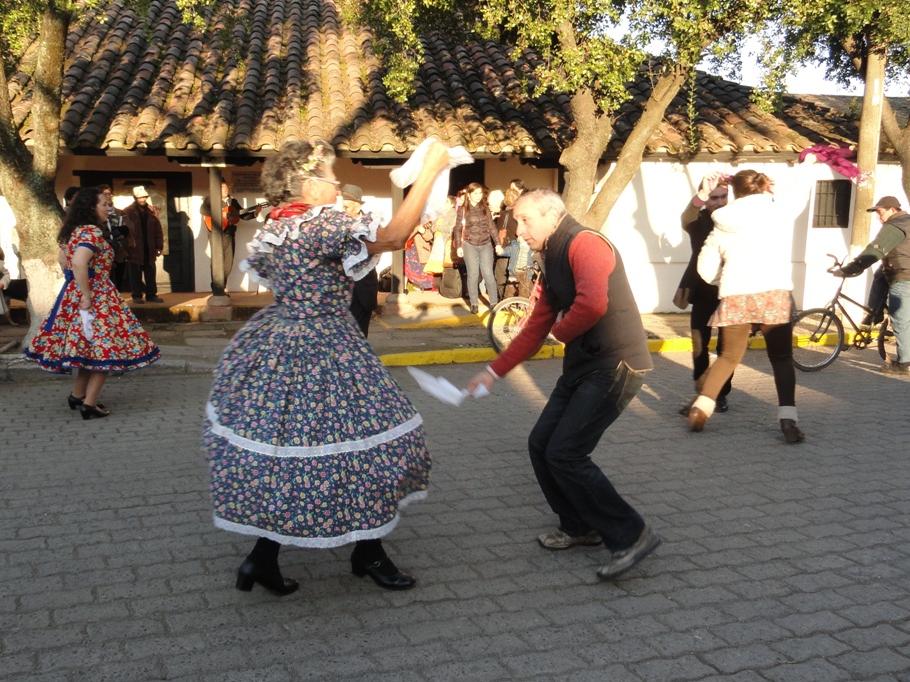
(837, 264)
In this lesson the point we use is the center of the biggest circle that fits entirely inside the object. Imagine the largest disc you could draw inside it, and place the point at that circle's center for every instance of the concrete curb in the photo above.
(14, 368)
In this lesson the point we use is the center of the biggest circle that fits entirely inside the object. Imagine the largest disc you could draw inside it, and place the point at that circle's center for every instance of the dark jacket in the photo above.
(896, 264)
(474, 225)
(153, 239)
(698, 230)
(508, 224)
(619, 335)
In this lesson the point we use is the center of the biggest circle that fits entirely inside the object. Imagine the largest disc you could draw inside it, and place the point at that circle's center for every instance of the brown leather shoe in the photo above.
(697, 419)
(791, 431)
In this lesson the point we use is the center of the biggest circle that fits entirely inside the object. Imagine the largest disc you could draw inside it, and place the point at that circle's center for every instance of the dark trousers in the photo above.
(120, 277)
(702, 310)
(779, 346)
(567, 431)
(878, 297)
(227, 260)
(137, 274)
(364, 300)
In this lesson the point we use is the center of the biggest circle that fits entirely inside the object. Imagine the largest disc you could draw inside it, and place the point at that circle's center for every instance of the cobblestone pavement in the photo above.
(779, 562)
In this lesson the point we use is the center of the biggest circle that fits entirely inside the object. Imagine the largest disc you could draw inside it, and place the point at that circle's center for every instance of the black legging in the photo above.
(265, 551)
(779, 346)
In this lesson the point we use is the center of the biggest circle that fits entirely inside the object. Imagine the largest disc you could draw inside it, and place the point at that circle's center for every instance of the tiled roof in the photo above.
(266, 71)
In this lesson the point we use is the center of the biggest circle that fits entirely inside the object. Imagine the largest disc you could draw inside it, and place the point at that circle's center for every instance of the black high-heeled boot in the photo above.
(369, 558)
(93, 411)
(75, 402)
(261, 566)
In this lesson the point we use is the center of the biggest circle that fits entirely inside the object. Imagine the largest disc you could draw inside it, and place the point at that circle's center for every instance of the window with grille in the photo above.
(832, 203)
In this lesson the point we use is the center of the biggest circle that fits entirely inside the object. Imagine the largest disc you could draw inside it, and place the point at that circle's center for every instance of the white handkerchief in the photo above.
(406, 174)
(87, 317)
(443, 389)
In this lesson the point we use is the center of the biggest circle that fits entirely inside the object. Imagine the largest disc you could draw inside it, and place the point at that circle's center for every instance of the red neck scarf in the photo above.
(295, 208)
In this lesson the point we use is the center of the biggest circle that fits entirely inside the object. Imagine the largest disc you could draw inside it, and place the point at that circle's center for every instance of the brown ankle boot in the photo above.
(791, 431)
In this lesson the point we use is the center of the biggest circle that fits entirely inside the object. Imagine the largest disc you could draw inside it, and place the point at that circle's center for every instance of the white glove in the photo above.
(459, 252)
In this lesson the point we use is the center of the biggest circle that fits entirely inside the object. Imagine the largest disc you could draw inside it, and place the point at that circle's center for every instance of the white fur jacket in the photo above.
(749, 249)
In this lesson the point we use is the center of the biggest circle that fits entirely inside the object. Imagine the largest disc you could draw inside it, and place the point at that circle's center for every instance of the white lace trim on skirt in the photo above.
(308, 450)
(321, 543)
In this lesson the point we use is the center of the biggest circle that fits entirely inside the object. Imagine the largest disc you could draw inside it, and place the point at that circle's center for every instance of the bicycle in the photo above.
(508, 317)
(818, 333)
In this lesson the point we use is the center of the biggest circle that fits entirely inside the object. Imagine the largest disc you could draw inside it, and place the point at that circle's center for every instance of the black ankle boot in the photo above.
(93, 411)
(369, 558)
(261, 566)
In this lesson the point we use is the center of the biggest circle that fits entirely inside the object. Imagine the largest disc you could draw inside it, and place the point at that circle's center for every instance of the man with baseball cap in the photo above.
(892, 246)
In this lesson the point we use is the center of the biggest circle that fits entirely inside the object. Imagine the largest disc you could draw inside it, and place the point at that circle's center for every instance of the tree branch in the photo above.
(628, 164)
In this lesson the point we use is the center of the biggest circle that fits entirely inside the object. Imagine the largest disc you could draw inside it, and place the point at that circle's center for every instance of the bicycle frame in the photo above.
(860, 338)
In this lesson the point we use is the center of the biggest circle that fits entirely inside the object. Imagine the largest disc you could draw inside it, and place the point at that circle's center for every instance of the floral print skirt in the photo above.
(768, 307)
(310, 441)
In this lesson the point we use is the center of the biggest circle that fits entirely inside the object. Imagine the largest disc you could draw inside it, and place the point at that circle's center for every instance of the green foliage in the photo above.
(597, 46)
(839, 34)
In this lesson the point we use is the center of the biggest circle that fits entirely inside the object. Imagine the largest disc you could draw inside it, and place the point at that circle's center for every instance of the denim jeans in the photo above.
(478, 260)
(899, 307)
(567, 431)
(510, 251)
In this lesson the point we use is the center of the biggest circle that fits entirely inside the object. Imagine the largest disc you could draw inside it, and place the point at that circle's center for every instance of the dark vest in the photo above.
(617, 336)
(897, 262)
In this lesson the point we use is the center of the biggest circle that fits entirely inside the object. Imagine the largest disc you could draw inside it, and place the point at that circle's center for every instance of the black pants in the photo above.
(227, 260)
(567, 431)
(120, 277)
(137, 274)
(364, 301)
(702, 310)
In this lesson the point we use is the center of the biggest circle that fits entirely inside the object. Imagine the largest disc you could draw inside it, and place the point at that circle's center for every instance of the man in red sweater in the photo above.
(585, 302)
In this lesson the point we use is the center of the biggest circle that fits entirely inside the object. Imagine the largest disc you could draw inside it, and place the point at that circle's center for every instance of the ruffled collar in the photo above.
(295, 208)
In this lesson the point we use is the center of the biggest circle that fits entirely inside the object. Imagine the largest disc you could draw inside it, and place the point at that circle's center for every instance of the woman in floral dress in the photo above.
(89, 329)
(309, 440)
(748, 255)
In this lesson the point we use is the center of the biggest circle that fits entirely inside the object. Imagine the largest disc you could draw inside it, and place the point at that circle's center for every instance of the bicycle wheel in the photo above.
(507, 319)
(818, 337)
(886, 341)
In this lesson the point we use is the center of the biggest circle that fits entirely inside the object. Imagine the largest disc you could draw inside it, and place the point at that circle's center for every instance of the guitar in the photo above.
(230, 216)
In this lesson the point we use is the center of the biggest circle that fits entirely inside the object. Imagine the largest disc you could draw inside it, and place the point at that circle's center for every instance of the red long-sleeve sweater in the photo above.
(592, 261)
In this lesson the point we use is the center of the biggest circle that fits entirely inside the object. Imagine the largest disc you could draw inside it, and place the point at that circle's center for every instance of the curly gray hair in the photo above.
(283, 173)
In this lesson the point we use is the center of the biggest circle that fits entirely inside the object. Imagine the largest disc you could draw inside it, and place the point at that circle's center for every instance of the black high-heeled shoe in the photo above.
(93, 411)
(249, 573)
(75, 402)
(384, 573)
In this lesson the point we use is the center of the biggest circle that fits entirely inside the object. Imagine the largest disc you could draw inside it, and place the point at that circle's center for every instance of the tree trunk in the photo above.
(900, 140)
(870, 128)
(666, 87)
(27, 176)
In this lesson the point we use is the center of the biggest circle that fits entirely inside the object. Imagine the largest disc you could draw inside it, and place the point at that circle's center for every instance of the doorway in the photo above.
(171, 193)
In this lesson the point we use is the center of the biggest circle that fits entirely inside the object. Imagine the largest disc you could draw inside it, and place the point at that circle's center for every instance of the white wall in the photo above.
(644, 224)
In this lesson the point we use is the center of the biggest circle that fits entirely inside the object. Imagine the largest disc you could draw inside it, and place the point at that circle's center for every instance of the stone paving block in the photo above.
(483, 669)
(695, 640)
(870, 614)
(751, 657)
(804, 648)
(677, 668)
(613, 673)
(44, 638)
(814, 670)
(404, 658)
(811, 623)
(864, 639)
(91, 613)
(548, 663)
(875, 662)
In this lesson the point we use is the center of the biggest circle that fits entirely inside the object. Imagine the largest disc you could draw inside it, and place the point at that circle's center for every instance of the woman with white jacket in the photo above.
(748, 256)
